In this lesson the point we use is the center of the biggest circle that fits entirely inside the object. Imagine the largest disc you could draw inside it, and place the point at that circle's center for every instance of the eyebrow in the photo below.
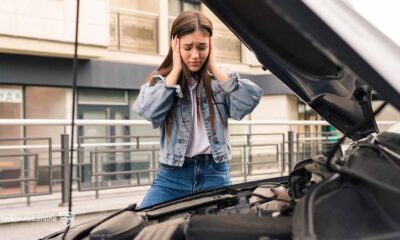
(190, 44)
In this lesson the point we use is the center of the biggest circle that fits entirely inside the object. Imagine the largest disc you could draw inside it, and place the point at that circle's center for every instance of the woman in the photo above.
(190, 99)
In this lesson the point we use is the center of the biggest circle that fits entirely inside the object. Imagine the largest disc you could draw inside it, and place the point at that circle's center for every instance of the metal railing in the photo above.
(24, 178)
(110, 164)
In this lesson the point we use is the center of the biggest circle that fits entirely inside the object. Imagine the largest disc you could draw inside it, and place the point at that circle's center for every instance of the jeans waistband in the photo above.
(205, 157)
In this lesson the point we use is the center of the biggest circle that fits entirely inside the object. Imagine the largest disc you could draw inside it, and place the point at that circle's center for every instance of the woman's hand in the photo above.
(211, 58)
(173, 76)
(218, 73)
(176, 54)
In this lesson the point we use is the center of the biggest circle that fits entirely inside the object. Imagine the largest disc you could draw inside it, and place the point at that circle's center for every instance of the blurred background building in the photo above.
(120, 43)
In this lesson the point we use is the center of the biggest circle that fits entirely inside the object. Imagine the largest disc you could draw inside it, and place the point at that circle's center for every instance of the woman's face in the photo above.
(195, 49)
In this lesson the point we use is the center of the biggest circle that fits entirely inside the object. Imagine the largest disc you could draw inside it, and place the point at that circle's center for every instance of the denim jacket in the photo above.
(234, 99)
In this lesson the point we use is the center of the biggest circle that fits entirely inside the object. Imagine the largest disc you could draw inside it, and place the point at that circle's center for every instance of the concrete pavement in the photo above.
(19, 221)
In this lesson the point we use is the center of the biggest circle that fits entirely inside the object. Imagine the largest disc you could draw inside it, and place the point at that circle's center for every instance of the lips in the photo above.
(194, 63)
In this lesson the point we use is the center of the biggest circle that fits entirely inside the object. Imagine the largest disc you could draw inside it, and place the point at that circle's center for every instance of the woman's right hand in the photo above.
(173, 76)
(176, 56)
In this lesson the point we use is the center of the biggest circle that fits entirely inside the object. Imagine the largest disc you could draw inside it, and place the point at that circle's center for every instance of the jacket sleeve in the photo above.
(242, 95)
(154, 102)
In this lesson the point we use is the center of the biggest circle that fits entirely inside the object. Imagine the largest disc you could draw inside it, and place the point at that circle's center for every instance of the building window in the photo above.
(177, 6)
(102, 97)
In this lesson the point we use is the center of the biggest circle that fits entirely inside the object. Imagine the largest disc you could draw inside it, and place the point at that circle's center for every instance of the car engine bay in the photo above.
(313, 202)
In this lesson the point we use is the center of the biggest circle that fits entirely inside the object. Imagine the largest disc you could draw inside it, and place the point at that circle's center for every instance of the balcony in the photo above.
(133, 31)
(227, 45)
(137, 32)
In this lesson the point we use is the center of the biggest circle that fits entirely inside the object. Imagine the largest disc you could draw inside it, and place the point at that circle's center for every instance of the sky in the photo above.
(384, 14)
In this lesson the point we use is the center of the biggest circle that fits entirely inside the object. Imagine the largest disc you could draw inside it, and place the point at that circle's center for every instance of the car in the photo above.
(332, 59)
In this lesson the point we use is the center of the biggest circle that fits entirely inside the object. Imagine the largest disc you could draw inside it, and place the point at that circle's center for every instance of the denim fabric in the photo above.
(233, 98)
(197, 173)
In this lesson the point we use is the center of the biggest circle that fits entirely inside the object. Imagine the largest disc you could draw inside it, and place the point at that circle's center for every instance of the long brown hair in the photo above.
(186, 23)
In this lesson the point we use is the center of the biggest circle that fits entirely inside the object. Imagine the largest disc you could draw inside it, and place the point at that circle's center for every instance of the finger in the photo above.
(178, 42)
(173, 43)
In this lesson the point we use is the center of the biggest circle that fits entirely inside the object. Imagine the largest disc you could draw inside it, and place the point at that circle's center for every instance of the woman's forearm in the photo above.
(172, 77)
(219, 74)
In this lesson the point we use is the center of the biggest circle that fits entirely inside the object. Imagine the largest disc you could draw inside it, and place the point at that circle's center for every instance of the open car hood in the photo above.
(325, 52)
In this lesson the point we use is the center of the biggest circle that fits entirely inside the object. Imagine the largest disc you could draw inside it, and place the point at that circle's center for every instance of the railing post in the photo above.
(65, 169)
(250, 166)
(245, 164)
(25, 174)
(283, 154)
(290, 150)
(153, 159)
(96, 168)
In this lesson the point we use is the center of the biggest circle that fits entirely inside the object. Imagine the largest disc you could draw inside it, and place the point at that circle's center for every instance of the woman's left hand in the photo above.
(211, 58)
(218, 73)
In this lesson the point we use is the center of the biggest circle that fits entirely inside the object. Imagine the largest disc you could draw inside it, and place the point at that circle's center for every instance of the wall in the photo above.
(55, 20)
(275, 108)
(47, 27)
(46, 103)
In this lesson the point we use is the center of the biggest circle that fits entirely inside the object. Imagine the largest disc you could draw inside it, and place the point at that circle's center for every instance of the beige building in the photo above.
(120, 43)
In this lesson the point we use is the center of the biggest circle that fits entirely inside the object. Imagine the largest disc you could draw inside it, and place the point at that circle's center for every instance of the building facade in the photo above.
(120, 43)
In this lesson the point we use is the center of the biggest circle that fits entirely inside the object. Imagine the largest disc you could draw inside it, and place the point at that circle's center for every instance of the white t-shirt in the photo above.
(198, 139)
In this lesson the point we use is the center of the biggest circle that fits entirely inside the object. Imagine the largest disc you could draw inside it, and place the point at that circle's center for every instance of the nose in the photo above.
(195, 54)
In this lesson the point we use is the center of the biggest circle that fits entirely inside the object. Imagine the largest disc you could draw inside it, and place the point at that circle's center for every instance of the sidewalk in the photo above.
(41, 218)
(83, 203)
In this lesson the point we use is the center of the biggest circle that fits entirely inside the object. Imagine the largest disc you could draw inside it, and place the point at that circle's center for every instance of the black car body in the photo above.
(318, 49)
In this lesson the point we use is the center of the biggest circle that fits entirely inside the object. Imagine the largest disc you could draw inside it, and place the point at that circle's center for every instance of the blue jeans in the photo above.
(198, 173)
